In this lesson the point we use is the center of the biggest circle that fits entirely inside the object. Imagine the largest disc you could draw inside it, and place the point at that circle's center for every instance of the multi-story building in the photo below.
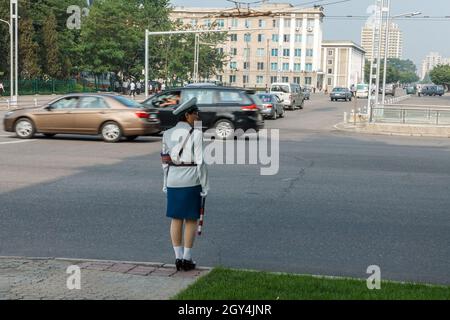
(275, 42)
(395, 47)
(343, 63)
(432, 60)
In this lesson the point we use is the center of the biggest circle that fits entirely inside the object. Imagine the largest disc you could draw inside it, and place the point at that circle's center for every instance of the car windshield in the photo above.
(265, 98)
(284, 89)
(128, 102)
(339, 90)
(256, 99)
(362, 87)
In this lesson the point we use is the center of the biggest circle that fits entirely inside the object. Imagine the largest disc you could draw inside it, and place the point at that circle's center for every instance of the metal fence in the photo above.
(407, 114)
(42, 87)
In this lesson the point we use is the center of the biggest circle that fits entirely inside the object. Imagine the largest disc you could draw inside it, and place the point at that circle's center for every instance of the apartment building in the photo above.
(343, 63)
(432, 60)
(395, 47)
(275, 42)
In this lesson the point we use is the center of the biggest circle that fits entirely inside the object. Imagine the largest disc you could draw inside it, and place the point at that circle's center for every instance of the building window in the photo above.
(233, 37)
(260, 52)
(259, 79)
(330, 52)
(219, 78)
(275, 37)
(232, 79)
(247, 37)
(284, 79)
(234, 23)
(260, 65)
(329, 81)
(274, 66)
(207, 23)
(233, 51)
(220, 50)
(233, 65)
(245, 79)
(248, 23)
(246, 65)
(298, 52)
(246, 52)
(194, 22)
(330, 61)
(273, 79)
(309, 52)
(308, 67)
(286, 52)
(298, 38)
(297, 80)
(298, 23)
(308, 80)
(309, 40)
(330, 71)
(297, 66)
(275, 23)
(220, 23)
(274, 52)
(261, 23)
(260, 37)
(287, 23)
(285, 66)
(287, 38)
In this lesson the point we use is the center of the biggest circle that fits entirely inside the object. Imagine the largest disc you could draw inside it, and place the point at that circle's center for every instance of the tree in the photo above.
(403, 71)
(51, 46)
(440, 75)
(28, 51)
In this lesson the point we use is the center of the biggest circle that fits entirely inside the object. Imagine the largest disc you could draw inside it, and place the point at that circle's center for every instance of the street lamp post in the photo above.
(11, 65)
(386, 49)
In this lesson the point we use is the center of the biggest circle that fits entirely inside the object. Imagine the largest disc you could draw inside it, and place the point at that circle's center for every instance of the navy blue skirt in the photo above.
(184, 203)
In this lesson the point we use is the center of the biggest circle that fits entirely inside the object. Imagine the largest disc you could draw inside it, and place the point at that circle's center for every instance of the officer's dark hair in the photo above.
(182, 117)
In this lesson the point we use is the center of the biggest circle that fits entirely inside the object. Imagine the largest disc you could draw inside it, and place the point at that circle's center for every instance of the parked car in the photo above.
(291, 94)
(389, 90)
(272, 105)
(440, 91)
(411, 90)
(430, 90)
(111, 116)
(224, 109)
(362, 90)
(341, 94)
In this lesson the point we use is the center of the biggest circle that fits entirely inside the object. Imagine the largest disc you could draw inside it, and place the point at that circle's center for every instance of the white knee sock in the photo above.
(178, 252)
(187, 254)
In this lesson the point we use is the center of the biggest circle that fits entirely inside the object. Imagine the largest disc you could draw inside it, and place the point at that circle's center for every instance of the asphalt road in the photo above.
(340, 202)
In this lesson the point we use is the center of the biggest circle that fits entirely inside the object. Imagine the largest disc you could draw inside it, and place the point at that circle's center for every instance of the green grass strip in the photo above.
(227, 284)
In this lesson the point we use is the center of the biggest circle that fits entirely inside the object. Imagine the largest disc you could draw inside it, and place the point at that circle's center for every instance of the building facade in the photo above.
(432, 60)
(395, 47)
(276, 43)
(343, 63)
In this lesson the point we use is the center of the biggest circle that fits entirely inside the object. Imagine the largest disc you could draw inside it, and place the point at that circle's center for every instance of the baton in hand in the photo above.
(202, 214)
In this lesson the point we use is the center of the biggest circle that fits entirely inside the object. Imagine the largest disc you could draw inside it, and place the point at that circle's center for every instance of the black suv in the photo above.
(223, 108)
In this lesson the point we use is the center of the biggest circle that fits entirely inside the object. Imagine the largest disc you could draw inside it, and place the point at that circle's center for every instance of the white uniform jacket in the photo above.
(178, 177)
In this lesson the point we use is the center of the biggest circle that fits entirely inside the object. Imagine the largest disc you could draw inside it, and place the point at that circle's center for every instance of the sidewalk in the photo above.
(46, 278)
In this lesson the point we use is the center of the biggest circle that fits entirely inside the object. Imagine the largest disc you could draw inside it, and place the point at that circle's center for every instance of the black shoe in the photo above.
(178, 264)
(188, 265)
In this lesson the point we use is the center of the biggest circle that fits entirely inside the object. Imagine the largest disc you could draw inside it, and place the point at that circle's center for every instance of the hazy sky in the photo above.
(420, 36)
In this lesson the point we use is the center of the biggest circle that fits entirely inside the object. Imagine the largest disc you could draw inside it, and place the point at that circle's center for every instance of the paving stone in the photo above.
(99, 266)
(187, 274)
(121, 267)
(142, 270)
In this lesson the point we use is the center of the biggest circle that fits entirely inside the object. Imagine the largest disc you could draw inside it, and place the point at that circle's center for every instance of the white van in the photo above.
(291, 94)
(362, 90)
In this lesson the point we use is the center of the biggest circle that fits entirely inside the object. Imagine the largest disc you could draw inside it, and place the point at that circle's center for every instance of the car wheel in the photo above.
(49, 135)
(282, 114)
(131, 138)
(111, 132)
(302, 105)
(275, 115)
(25, 128)
(224, 129)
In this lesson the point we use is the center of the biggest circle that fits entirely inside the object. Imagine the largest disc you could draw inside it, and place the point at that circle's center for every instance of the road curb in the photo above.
(365, 130)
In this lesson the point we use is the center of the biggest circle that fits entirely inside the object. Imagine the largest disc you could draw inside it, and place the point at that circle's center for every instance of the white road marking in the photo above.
(21, 141)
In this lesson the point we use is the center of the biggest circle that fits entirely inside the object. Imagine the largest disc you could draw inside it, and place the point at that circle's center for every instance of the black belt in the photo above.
(183, 164)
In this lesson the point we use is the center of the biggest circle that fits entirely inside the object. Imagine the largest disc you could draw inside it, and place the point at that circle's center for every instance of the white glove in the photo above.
(203, 194)
(164, 189)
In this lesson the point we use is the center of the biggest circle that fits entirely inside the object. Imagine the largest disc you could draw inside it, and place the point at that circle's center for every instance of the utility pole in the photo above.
(14, 28)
